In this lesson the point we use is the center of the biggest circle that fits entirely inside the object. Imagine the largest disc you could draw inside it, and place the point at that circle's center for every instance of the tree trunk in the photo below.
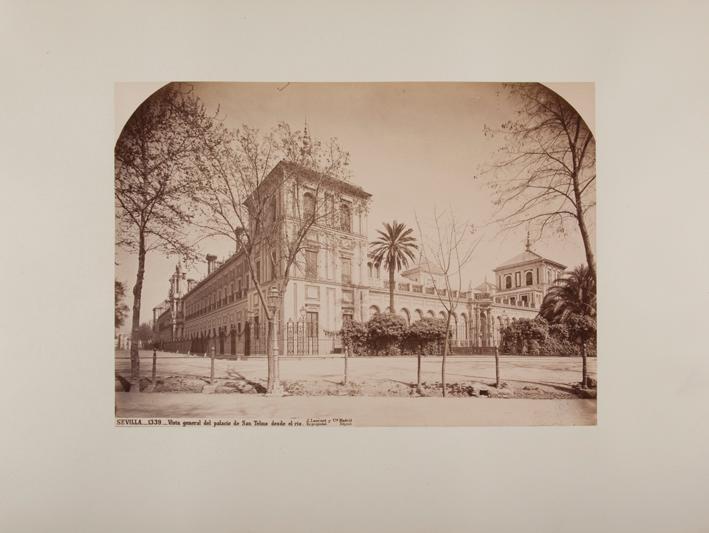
(135, 321)
(590, 258)
(445, 354)
(273, 381)
(584, 371)
(497, 366)
(391, 290)
(418, 373)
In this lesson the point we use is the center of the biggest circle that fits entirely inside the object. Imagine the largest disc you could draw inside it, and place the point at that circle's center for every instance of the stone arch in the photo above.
(308, 205)
(431, 314)
(463, 327)
(405, 313)
(418, 314)
(454, 327)
(373, 311)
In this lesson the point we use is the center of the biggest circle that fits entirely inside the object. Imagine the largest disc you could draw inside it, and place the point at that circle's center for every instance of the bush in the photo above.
(425, 336)
(538, 337)
(385, 332)
(388, 334)
(354, 335)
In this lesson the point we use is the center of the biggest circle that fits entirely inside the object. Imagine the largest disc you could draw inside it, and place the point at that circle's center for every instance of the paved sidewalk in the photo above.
(362, 411)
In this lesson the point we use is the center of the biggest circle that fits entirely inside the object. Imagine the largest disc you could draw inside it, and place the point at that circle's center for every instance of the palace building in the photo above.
(335, 281)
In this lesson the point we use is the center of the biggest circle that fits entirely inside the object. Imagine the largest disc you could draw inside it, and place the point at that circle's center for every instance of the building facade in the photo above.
(332, 281)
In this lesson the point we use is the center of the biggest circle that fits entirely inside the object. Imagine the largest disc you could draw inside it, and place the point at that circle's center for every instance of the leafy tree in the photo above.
(572, 301)
(583, 329)
(426, 336)
(354, 336)
(385, 331)
(354, 339)
(121, 309)
(145, 334)
(393, 249)
(544, 173)
(154, 169)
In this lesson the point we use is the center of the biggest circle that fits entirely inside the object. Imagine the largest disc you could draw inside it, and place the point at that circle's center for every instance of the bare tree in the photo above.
(544, 173)
(275, 195)
(447, 248)
(154, 167)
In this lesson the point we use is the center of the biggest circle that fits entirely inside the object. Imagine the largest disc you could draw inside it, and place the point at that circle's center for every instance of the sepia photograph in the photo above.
(367, 254)
(359, 253)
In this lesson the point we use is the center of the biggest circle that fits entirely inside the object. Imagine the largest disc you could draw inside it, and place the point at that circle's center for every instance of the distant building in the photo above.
(337, 282)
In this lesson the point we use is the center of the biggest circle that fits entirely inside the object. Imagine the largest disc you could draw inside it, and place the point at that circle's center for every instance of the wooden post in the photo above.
(211, 367)
(155, 366)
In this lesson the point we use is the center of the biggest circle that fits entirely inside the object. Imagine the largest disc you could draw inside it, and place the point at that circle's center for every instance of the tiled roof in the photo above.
(485, 286)
(527, 256)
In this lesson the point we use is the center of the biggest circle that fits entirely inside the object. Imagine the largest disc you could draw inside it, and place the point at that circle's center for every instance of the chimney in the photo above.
(190, 284)
(211, 263)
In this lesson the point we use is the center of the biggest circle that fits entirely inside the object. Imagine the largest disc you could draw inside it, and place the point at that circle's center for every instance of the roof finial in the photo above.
(529, 244)
(306, 150)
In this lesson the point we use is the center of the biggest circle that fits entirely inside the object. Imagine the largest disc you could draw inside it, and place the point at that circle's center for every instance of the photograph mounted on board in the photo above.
(367, 254)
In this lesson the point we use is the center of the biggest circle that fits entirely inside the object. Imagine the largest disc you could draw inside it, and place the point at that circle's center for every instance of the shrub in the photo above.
(538, 337)
(385, 332)
(425, 336)
(354, 335)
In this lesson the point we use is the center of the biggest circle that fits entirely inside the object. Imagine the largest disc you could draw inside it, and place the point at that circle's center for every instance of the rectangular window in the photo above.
(346, 270)
(311, 324)
(347, 317)
(311, 264)
(346, 217)
(329, 218)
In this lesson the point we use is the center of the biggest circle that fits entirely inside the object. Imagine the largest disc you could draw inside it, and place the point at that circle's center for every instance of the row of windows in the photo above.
(523, 301)
(233, 285)
(551, 274)
(341, 219)
(311, 267)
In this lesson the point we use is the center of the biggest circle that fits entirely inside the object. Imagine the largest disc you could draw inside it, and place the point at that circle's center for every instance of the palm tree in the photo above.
(572, 301)
(394, 247)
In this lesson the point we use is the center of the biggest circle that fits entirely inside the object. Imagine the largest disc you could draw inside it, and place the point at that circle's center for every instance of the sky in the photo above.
(413, 146)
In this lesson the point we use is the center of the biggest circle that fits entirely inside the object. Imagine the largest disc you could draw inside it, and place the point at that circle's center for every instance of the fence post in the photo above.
(155, 366)
(211, 367)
